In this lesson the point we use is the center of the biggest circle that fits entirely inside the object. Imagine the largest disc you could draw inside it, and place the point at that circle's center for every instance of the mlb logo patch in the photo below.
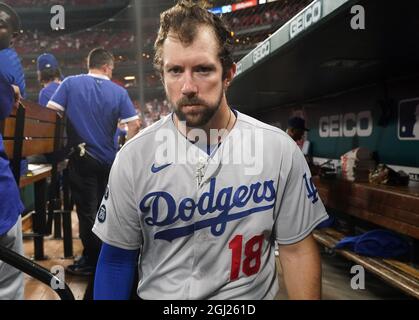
(408, 126)
(101, 215)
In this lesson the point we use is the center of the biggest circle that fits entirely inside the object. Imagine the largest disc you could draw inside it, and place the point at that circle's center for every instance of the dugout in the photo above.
(355, 88)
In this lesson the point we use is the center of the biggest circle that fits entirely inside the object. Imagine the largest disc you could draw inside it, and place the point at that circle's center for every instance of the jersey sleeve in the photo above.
(11, 70)
(43, 98)
(6, 99)
(59, 98)
(117, 221)
(127, 110)
(300, 208)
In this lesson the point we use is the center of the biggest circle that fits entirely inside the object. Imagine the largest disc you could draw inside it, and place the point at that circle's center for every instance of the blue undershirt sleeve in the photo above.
(115, 273)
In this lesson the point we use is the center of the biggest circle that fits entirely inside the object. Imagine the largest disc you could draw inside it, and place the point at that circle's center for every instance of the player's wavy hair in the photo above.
(183, 20)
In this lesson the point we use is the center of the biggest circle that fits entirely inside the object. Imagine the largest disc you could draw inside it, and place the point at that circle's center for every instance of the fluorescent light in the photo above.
(129, 78)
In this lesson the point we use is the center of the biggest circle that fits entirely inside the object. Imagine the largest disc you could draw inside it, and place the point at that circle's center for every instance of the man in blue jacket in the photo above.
(12, 85)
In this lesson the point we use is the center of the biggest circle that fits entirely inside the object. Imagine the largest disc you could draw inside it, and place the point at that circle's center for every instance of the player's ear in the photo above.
(229, 75)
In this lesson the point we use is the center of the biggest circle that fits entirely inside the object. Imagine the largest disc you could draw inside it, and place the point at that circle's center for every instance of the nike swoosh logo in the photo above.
(155, 169)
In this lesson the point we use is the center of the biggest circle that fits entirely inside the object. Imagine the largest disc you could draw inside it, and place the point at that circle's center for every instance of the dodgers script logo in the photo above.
(222, 208)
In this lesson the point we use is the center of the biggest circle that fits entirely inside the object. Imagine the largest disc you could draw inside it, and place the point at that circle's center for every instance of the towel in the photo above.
(376, 243)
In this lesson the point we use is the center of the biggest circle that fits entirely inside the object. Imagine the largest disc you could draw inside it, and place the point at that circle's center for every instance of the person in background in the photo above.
(296, 130)
(49, 76)
(93, 105)
(12, 86)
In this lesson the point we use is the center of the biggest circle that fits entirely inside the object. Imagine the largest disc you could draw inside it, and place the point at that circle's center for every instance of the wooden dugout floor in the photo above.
(35, 290)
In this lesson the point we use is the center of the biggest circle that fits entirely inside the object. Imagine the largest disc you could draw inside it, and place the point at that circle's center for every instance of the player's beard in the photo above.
(204, 113)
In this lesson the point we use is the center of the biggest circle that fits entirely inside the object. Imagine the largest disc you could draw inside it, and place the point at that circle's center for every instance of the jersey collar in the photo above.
(101, 76)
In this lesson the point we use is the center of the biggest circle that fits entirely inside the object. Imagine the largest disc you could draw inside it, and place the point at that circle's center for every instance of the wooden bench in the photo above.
(34, 130)
(399, 274)
(393, 208)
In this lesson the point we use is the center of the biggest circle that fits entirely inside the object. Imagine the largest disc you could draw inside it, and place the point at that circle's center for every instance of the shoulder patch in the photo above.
(101, 215)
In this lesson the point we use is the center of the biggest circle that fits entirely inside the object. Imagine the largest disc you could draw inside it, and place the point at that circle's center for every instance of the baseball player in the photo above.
(10, 65)
(49, 76)
(296, 128)
(12, 86)
(201, 224)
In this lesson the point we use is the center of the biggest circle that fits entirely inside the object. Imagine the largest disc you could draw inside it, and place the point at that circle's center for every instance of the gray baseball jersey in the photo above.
(206, 224)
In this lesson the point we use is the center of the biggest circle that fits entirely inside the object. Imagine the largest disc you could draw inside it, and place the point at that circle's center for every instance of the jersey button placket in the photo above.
(200, 171)
(197, 238)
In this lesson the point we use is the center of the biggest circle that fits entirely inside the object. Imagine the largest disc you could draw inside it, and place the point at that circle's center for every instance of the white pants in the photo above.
(11, 279)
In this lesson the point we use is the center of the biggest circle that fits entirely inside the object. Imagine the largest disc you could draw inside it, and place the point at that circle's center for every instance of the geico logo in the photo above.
(346, 125)
(239, 68)
(262, 51)
(310, 16)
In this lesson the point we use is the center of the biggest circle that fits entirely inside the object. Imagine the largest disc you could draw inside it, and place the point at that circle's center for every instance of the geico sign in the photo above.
(239, 69)
(262, 51)
(306, 18)
(346, 125)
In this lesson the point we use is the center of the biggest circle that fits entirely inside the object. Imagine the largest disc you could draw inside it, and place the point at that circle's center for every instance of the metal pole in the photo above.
(36, 271)
(140, 47)
(39, 219)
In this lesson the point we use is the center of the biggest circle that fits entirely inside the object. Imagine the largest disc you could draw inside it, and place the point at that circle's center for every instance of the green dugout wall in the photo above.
(380, 118)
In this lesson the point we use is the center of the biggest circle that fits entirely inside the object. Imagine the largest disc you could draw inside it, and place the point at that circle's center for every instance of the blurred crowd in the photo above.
(244, 24)
(153, 111)
(34, 41)
(31, 3)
